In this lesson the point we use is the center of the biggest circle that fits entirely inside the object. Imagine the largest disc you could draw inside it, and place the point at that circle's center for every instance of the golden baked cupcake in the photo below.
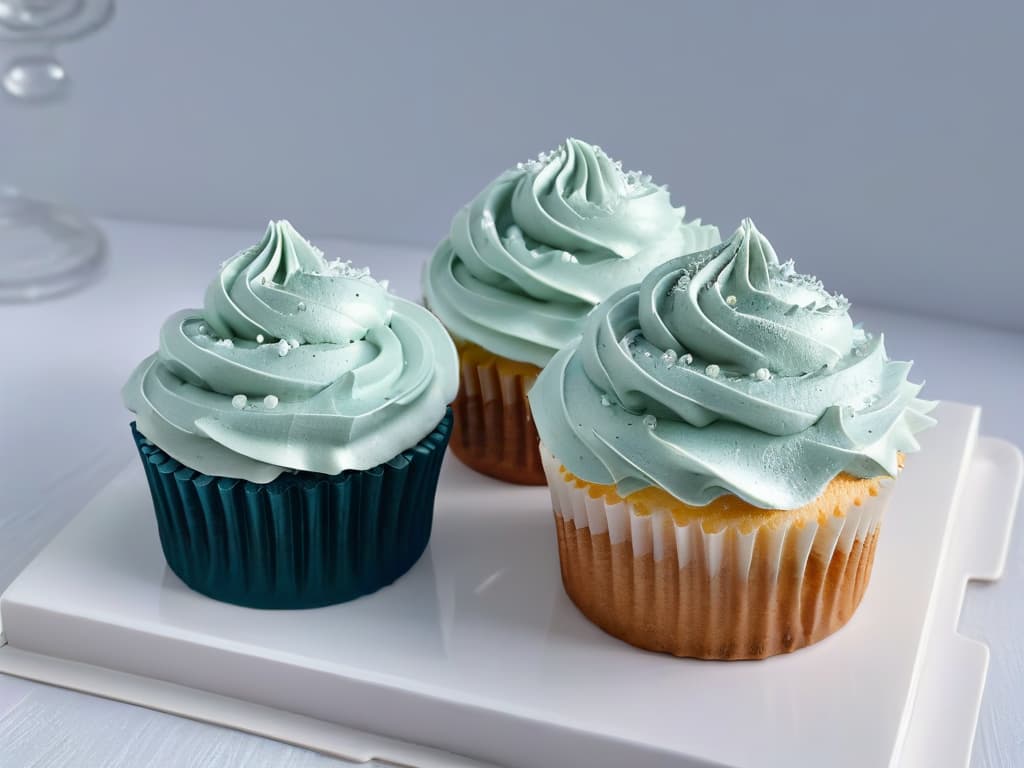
(718, 447)
(522, 266)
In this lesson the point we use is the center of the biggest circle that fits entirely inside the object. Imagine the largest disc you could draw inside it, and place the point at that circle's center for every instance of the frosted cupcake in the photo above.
(292, 430)
(718, 446)
(522, 266)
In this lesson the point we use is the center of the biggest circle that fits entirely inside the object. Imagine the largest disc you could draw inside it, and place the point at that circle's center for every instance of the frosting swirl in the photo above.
(540, 246)
(293, 363)
(727, 372)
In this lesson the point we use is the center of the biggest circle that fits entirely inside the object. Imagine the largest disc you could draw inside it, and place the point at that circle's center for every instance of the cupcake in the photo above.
(292, 429)
(718, 446)
(522, 266)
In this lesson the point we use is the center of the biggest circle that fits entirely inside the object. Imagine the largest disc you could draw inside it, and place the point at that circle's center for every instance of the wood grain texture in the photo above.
(54, 728)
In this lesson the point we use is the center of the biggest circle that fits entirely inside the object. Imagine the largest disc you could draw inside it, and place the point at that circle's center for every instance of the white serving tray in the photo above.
(477, 651)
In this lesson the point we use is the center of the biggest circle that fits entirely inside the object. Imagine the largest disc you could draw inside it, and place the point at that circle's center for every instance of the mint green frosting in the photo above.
(726, 372)
(540, 246)
(294, 363)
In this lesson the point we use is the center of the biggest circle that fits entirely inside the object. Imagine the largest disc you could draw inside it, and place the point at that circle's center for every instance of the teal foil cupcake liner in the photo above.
(302, 541)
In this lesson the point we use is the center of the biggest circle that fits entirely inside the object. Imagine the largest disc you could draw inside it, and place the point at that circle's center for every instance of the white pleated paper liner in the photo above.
(731, 591)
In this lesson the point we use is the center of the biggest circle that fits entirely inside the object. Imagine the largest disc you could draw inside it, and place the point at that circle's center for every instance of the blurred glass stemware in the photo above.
(45, 250)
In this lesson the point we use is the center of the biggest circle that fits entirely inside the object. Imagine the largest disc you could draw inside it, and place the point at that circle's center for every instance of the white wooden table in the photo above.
(64, 434)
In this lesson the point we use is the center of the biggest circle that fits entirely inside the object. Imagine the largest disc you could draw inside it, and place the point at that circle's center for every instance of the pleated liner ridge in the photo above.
(494, 431)
(302, 541)
(730, 593)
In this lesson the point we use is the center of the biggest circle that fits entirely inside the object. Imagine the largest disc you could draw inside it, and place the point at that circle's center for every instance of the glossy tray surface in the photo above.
(478, 650)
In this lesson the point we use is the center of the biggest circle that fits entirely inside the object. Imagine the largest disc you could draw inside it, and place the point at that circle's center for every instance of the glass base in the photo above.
(45, 250)
(26, 15)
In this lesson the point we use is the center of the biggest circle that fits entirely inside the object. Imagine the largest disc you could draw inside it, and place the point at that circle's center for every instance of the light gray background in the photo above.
(878, 143)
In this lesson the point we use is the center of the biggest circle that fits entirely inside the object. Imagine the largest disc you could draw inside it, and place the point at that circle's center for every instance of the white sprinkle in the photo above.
(293, 343)
(669, 356)
(224, 343)
(646, 353)
(568, 258)
(239, 401)
(385, 284)
(302, 306)
(650, 421)
(730, 300)
(605, 401)
(712, 370)
(202, 328)
(339, 268)
(270, 401)
(282, 348)
(762, 374)
(687, 358)
(259, 338)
